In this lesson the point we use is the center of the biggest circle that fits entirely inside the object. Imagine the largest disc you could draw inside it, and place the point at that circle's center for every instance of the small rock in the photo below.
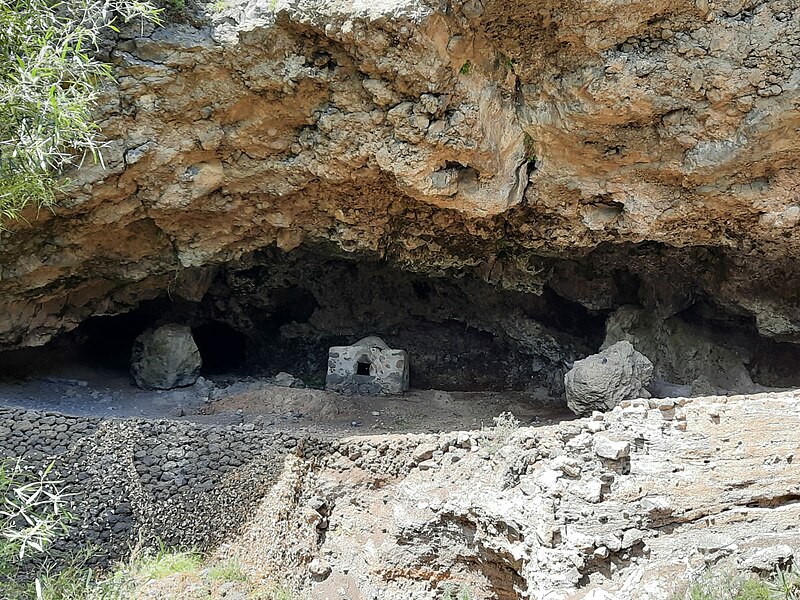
(595, 426)
(590, 490)
(319, 569)
(655, 505)
(611, 449)
(709, 542)
(284, 379)
(767, 560)
(424, 452)
(566, 464)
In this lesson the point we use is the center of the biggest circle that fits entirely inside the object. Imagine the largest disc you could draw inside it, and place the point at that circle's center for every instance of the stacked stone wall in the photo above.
(137, 481)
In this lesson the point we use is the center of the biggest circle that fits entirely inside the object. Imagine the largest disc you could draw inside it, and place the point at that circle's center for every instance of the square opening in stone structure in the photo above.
(367, 367)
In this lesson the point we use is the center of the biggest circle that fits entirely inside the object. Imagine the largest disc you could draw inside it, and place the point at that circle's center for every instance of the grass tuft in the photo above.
(225, 572)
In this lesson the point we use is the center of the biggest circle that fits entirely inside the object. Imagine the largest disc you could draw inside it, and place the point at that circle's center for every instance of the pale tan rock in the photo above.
(507, 135)
(714, 494)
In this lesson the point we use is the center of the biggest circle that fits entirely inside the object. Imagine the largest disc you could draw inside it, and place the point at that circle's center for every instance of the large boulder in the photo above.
(601, 381)
(165, 358)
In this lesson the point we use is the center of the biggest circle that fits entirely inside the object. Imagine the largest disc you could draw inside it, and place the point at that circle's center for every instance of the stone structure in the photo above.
(601, 381)
(367, 367)
(165, 358)
(184, 483)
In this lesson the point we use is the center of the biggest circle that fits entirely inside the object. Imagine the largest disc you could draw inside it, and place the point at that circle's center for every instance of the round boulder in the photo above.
(601, 381)
(165, 358)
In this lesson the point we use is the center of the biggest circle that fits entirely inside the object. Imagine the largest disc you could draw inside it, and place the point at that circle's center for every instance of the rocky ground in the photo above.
(633, 504)
(54, 383)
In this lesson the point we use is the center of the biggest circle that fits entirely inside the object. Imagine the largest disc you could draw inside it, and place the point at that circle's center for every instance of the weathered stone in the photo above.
(424, 452)
(682, 355)
(767, 560)
(319, 569)
(611, 449)
(367, 367)
(165, 358)
(660, 170)
(602, 381)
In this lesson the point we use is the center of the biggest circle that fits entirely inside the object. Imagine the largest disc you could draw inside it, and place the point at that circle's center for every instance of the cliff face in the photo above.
(605, 153)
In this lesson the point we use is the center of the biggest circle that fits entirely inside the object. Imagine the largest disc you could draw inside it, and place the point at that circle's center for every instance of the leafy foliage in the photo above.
(782, 585)
(33, 514)
(33, 508)
(49, 77)
(461, 593)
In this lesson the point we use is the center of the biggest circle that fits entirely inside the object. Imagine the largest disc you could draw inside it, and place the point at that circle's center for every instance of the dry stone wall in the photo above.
(180, 482)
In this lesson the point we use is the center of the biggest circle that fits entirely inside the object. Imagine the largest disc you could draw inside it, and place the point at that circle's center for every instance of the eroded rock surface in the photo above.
(634, 504)
(601, 381)
(165, 358)
(613, 153)
(682, 354)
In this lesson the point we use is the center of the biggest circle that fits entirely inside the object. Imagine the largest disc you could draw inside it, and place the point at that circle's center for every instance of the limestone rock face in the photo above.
(165, 358)
(611, 507)
(601, 381)
(632, 504)
(538, 145)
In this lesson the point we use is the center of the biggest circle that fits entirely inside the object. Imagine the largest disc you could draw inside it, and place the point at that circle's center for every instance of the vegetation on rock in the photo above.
(784, 584)
(49, 78)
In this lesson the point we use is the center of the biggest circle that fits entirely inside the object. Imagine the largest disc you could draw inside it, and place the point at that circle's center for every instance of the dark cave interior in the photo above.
(283, 312)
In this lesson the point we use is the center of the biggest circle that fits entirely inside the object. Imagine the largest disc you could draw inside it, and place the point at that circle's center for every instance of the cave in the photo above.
(222, 348)
(280, 312)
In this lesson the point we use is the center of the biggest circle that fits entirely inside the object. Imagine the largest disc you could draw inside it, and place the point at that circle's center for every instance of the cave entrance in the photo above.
(363, 366)
(107, 341)
(222, 348)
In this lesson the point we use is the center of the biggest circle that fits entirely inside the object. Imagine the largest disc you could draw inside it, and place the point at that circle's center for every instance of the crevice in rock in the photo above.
(774, 501)
(606, 564)
(455, 543)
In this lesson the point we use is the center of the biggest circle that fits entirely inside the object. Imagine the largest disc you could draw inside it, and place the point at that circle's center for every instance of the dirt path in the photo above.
(50, 381)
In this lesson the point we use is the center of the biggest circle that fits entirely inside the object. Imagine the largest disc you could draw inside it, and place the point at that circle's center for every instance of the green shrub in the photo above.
(49, 75)
(33, 514)
(143, 566)
(227, 571)
(460, 593)
(782, 585)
